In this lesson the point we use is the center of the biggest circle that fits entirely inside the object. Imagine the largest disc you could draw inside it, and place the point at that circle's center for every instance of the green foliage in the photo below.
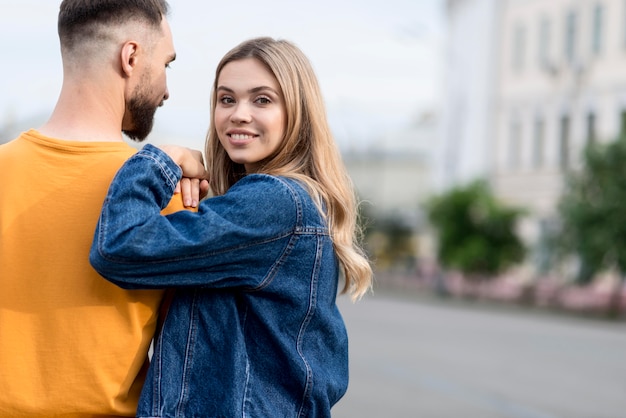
(593, 210)
(476, 234)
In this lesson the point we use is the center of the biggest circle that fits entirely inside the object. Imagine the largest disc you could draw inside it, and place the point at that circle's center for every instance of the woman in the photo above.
(253, 329)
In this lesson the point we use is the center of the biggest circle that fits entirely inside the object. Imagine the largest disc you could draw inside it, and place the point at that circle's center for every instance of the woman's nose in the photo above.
(241, 113)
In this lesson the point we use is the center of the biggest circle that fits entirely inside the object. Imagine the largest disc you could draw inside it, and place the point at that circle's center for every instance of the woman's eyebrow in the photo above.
(252, 90)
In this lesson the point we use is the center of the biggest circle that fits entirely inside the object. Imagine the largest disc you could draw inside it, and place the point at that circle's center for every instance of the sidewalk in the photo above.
(545, 293)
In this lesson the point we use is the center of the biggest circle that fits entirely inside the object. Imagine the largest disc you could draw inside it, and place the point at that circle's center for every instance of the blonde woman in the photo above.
(253, 329)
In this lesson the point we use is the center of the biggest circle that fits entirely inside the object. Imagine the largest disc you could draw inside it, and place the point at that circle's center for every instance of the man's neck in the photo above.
(86, 112)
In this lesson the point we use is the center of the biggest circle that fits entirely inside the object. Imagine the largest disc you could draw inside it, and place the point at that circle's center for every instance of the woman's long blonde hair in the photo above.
(307, 153)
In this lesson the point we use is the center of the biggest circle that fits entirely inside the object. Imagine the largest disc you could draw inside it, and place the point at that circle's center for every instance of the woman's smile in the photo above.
(240, 139)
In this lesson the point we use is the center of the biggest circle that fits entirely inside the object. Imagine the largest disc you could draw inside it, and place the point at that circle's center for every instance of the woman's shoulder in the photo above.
(277, 192)
(272, 186)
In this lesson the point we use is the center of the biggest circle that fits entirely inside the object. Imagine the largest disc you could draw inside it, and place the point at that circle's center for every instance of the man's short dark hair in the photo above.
(78, 19)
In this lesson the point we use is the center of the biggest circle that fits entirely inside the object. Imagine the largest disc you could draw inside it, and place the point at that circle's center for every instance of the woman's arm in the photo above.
(233, 240)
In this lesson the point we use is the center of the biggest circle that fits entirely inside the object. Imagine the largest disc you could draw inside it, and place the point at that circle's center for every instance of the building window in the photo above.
(591, 128)
(538, 143)
(564, 143)
(519, 47)
(571, 23)
(544, 42)
(597, 25)
(515, 145)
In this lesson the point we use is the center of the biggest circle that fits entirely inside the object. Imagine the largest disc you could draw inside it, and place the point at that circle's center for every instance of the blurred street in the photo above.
(420, 357)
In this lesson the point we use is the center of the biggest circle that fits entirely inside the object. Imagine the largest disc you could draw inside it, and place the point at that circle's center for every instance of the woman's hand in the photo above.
(193, 190)
(194, 185)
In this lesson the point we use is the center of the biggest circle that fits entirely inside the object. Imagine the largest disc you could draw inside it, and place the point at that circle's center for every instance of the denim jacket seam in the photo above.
(298, 198)
(172, 175)
(311, 230)
(250, 244)
(273, 271)
(244, 400)
(189, 349)
(156, 390)
(308, 388)
(298, 230)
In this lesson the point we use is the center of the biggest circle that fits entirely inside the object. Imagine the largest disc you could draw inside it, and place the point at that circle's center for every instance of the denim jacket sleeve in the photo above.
(234, 240)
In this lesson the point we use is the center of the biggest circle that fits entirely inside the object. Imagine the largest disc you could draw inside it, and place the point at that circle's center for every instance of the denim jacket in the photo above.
(253, 329)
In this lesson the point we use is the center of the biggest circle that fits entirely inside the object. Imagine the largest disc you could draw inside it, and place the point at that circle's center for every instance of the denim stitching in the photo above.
(191, 338)
(147, 152)
(308, 388)
(292, 241)
(244, 400)
(156, 390)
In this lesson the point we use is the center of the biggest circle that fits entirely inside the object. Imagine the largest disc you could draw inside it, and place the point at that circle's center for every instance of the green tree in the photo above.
(476, 234)
(593, 214)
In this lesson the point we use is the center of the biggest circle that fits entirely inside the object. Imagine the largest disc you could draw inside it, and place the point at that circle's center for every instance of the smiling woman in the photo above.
(258, 267)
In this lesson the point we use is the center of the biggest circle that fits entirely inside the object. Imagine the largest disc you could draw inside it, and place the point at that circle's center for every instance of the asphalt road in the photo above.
(422, 358)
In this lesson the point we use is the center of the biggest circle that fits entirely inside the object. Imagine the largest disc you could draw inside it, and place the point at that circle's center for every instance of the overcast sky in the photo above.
(378, 62)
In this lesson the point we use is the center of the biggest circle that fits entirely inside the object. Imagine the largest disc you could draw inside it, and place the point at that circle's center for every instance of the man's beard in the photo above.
(141, 112)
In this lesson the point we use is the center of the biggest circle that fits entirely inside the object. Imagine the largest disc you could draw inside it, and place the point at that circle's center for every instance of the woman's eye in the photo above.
(226, 100)
(263, 100)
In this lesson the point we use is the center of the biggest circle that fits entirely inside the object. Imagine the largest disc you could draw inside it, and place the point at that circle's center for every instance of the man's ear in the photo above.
(128, 57)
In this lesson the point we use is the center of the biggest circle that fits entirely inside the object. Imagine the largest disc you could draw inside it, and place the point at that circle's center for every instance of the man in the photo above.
(71, 343)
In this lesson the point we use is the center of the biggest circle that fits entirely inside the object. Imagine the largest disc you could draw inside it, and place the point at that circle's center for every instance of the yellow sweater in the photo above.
(71, 343)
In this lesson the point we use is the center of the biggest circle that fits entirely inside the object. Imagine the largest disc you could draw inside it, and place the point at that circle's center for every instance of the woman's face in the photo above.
(249, 112)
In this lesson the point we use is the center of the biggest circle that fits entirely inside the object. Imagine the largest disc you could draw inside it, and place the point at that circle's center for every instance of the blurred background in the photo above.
(487, 141)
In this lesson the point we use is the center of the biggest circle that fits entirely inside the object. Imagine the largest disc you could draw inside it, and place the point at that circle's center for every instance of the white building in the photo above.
(547, 78)
(562, 84)
(468, 104)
